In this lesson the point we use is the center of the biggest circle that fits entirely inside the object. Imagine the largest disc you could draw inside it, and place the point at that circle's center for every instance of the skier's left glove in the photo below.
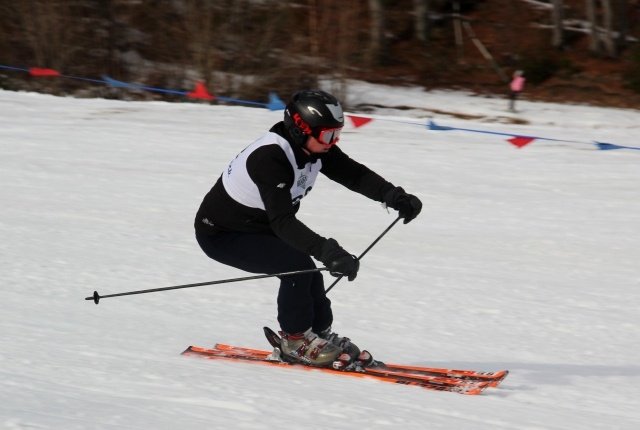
(407, 205)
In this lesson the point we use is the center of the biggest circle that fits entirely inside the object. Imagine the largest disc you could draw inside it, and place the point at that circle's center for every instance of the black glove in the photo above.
(407, 205)
(338, 261)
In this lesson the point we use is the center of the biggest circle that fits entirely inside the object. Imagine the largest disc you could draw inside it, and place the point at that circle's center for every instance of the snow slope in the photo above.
(525, 259)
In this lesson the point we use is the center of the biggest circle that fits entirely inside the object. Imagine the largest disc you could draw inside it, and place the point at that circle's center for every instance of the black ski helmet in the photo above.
(309, 112)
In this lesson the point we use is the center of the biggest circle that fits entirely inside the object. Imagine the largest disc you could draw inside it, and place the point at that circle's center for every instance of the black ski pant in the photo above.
(302, 302)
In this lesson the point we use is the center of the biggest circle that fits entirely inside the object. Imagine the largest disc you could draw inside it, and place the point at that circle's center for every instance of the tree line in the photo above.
(244, 46)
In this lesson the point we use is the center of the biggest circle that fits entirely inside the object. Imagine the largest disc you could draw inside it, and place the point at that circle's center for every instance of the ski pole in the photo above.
(96, 297)
(365, 251)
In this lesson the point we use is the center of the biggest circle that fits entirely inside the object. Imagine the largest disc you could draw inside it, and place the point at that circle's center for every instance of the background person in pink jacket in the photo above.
(516, 86)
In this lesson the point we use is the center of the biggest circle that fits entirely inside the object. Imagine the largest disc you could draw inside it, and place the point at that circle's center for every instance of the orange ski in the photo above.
(437, 383)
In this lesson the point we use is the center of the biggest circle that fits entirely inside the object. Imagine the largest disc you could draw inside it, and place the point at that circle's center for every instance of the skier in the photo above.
(248, 219)
(516, 86)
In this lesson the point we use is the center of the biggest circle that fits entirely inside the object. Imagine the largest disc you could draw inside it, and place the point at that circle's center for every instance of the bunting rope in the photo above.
(201, 92)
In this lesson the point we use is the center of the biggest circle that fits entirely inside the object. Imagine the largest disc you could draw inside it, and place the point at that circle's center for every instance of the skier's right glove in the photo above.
(338, 261)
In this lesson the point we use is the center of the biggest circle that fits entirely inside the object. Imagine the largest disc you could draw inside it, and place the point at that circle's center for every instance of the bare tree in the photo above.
(377, 48)
(344, 48)
(421, 20)
(106, 11)
(623, 6)
(199, 24)
(601, 37)
(557, 38)
(609, 42)
(49, 29)
(457, 27)
(594, 39)
(314, 34)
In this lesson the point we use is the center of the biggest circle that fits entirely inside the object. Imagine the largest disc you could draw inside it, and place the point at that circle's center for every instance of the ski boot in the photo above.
(308, 348)
(344, 343)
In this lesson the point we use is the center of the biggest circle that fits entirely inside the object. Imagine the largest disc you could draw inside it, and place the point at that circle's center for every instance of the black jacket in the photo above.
(268, 166)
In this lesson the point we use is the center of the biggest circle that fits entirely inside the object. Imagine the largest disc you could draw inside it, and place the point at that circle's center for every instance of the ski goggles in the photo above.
(329, 136)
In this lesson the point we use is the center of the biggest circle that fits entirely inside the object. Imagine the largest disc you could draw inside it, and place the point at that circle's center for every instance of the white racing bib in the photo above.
(241, 188)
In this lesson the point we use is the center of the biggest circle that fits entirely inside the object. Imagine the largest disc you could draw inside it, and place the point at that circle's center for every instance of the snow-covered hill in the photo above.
(525, 259)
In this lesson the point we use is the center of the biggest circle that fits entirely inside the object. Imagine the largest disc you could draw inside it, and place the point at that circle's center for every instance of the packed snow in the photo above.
(524, 259)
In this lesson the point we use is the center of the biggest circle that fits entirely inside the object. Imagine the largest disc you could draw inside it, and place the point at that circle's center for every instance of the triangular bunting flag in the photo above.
(114, 83)
(359, 121)
(521, 141)
(34, 71)
(608, 146)
(433, 126)
(275, 103)
(200, 92)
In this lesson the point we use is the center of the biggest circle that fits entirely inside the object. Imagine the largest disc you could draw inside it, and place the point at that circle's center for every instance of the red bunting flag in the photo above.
(200, 92)
(35, 71)
(359, 121)
(521, 141)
